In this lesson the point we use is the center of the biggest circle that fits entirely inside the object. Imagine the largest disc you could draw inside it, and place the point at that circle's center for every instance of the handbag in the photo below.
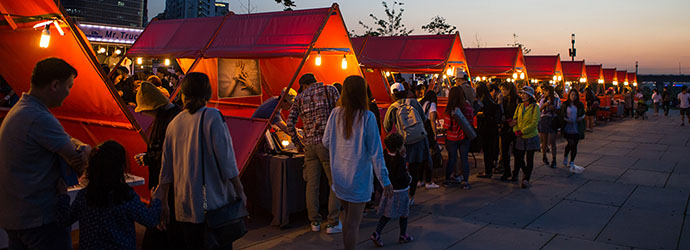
(225, 224)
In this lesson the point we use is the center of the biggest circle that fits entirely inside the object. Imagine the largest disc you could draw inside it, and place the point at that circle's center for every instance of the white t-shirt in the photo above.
(431, 108)
(656, 98)
(684, 100)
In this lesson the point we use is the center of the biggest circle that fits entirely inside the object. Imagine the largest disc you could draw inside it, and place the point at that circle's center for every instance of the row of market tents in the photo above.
(285, 44)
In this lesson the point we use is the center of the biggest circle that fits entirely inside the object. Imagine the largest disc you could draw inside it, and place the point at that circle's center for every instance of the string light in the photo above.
(388, 73)
(449, 71)
(118, 51)
(343, 63)
(166, 62)
(101, 50)
(515, 75)
(140, 60)
(317, 61)
(560, 78)
(522, 75)
(601, 81)
(45, 37)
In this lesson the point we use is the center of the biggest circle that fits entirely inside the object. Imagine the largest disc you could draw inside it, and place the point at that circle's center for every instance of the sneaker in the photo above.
(405, 238)
(376, 238)
(466, 186)
(330, 229)
(553, 164)
(565, 162)
(525, 184)
(576, 169)
(571, 164)
(457, 178)
(420, 184)
(432, 185)
(315, 226)
(545, 161)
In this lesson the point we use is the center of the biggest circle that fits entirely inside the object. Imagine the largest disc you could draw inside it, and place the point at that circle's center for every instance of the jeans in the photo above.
(520, 163)
(489, 139)
(49, 236)
(316, 162)
(453, 147)
(507, 141)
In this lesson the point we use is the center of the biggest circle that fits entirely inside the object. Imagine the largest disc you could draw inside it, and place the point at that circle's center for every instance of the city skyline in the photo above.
(613, 33)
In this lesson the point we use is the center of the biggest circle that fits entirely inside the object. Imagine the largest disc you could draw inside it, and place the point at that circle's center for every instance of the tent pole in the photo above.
(292, 81)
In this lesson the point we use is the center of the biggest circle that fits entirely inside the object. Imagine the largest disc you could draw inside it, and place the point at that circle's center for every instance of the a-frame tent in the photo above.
(286, 44)
(574, 72)
(422, 54)
(546, 68)
(595, 76)
(610, 78)
(622, 78)
(93, 112)
(502, 63)
(632, 78)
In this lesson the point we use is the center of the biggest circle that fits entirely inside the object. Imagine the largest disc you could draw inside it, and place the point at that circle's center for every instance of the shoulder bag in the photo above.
(225, 224)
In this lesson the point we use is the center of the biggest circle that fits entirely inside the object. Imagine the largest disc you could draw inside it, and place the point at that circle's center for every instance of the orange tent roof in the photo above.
(632, 77)
(407, 54)
(93, 112)
(543, 67)
(170, 38)
(594, 73)
(498, 62)
(574, 70)
(610, 75)
(285, 43)
(622, 76)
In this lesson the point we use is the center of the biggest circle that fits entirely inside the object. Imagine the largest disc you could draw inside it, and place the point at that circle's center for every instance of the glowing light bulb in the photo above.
(343, 63)
(615, 83)
(625, 83)
(515, 75)
(101, 50)
(285, 143)
(478, 78)
(388, 73)
(317, 61)
(601, 81)
(140, 60)
(166, 62)
(45, 37)
(522, 75)
(560, 78)
(483, 78)
(118, 51)
(449, 71)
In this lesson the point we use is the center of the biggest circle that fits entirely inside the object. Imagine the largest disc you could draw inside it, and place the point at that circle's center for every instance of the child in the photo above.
(398, 205)
(107, 207)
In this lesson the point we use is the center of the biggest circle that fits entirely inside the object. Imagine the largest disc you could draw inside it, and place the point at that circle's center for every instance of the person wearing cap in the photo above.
(152, 103)
(313, 105)
(163, 74)
(265, 110)
(417, 152)
(462, 80)
(525, 122)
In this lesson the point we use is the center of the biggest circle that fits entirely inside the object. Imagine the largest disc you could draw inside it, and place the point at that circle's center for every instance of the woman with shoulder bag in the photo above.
(456, 140)
(199, 161)
(525, 119)
(428, 103)
(549, 123)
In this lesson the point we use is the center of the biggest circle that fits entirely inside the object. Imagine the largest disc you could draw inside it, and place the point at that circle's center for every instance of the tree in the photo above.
(439, 26)
(391, 26)
(287, 3)
(525, 50)
(478, 41)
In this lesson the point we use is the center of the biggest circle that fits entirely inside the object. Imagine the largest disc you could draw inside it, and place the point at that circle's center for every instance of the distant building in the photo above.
(175, 9)
(130, 13)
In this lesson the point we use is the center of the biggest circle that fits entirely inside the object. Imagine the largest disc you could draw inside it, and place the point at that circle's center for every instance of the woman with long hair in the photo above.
(199, 162)
(573, 113)
(548, 123)
(428, 103)
(455, 137)
(525, 122)
(509, 103)
(354, 144)
(488, 118)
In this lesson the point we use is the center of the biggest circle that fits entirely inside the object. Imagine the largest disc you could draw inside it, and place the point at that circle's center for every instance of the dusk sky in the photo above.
(615, 33)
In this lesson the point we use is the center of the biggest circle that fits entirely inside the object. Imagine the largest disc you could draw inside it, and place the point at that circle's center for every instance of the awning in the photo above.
(544, 67)
(496, 62)
(179, 38)
(93, 112)
(622, 76)
(610, 75)
(594, 73)
(632, 77)
(574, 70)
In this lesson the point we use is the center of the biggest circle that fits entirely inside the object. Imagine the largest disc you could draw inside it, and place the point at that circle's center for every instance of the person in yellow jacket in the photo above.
(525, 122)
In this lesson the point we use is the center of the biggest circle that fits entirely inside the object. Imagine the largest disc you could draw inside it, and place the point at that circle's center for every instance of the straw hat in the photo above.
(149, 98)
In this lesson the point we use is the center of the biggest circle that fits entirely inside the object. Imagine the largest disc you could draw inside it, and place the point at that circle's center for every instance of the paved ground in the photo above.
(633, 195)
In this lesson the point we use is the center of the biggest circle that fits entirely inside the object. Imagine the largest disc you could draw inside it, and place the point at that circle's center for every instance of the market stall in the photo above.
(622, 76)
(632, 79)
(250, 58)
(595, 77)
(93, 112)
(610, 78)
(574, 74)
(545, 69)
(438, 56)
(506, 63)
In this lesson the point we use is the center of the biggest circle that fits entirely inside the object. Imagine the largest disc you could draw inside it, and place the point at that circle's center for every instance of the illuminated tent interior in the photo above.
(502, 63)
(632, 78)
(442, 55)
(574, 72)
(622, 76)
(283, 44)
(544, 68)
(595, 76)
(610, 77)
(93, 112)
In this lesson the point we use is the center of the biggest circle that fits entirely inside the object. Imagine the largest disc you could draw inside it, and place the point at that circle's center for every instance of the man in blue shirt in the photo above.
(265, 110)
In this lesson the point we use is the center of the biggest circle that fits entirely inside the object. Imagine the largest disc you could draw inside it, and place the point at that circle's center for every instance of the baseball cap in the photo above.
(397, 87)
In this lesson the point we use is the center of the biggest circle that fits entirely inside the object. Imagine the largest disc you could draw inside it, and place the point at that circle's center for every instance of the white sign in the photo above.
(110, 34)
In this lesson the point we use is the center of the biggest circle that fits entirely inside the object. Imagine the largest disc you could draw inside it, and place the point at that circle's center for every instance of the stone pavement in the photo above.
(633, 194)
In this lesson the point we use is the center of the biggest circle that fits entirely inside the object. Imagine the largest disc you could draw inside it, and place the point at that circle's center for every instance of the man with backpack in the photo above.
(407, 116)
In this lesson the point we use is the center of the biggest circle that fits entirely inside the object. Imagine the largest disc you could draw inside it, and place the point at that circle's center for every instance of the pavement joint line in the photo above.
(616, 213)
(556, 204)
(458, 241)
(594, 203)
(682, 225)
(549, 241)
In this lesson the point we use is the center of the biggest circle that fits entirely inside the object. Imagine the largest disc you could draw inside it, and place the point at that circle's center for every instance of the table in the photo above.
(275, 183)
(132, 180)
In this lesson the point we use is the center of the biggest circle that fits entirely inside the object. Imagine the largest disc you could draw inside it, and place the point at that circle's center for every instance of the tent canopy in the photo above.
(93, 112)
(610, 75)
(496, 62)
(574, 70)
(543, 67)
(170, 38)
(424, 54)
(284, 43)
(594, 73)
(622, 76)
(632, 77)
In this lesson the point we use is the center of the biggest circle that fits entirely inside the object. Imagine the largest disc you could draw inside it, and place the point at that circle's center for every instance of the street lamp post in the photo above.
(572, 49)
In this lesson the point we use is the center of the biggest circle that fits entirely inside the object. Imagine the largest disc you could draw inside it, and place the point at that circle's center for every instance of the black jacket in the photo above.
(154, 150)
(397, 172)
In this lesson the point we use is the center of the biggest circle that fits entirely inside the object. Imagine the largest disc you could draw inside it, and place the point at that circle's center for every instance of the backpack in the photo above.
(409, 123)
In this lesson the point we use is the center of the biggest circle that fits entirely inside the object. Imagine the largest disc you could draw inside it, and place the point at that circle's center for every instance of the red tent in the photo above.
(427, 54)
(632, 78)
(93, 112)
(610, 76)
(496, 62)
(574, 71)
(595, 73)
(283, 45)
(622, 77)
(544, 68)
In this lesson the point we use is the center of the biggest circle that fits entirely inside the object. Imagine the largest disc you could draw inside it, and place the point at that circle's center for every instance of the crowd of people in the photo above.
(193, 173)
